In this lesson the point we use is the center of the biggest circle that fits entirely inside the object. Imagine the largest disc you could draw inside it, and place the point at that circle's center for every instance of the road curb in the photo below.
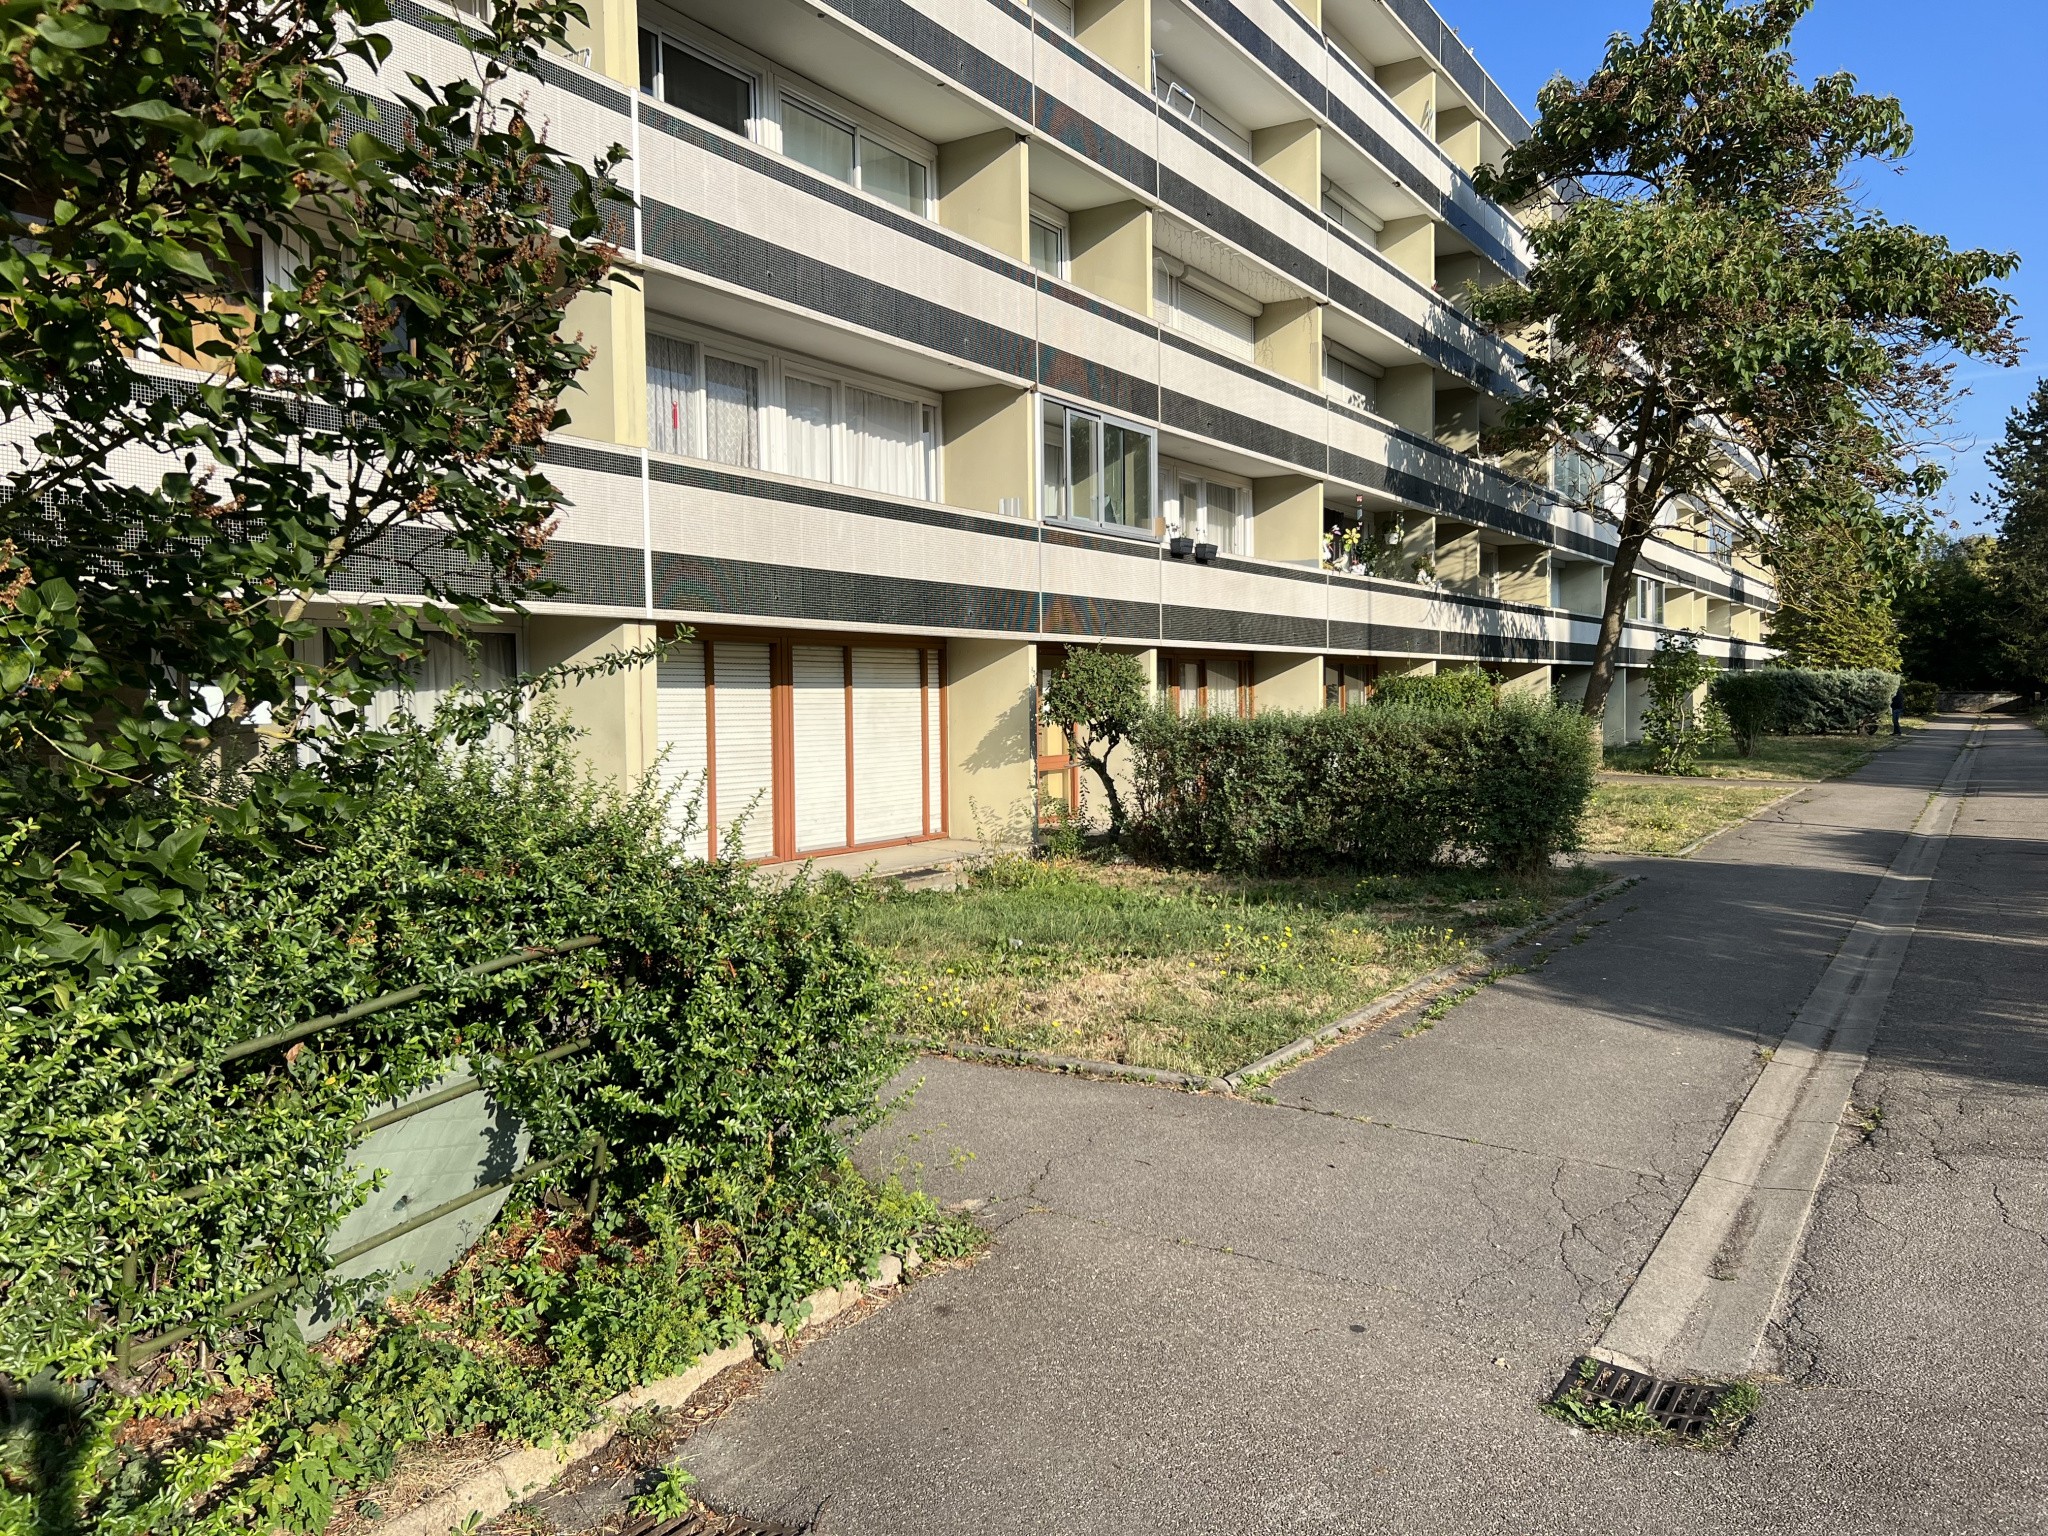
(522, 1471)
(1698, 843)
(1232, 1082)
(1394, 1001)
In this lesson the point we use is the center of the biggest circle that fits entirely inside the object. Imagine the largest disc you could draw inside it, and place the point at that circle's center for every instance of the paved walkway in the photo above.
(1337, 1311)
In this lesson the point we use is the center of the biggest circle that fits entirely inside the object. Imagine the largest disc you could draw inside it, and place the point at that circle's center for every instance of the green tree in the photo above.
(1837, 576)
(1954, 621)
(1679, 720)
(1098, 697)
(2019, 464)
(260, 330)
(1712, 311)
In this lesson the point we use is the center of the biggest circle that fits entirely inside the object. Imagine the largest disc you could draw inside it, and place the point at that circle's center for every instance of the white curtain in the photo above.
(671, 383)
(732, 411)
(817, 142)
(886, 438)
(808, 412)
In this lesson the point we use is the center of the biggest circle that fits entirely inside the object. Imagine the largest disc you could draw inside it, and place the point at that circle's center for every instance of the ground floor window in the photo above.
(1206, 684)
(782, 748)
(1348, 684)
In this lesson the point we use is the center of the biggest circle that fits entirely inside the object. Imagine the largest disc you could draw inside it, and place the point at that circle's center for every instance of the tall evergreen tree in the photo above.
(1711, 308)
(2019, 464)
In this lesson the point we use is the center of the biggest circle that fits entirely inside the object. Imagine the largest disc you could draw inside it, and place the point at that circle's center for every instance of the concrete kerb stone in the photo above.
(1267, 1065)
(1698, 843)
(1351, 1023)
(520, 1473)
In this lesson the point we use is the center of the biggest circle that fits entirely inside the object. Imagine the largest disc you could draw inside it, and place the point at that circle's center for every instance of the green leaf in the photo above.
(71, 32)
(155, 111)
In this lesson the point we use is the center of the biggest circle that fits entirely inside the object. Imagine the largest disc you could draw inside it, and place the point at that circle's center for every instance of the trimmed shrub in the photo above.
(1467, 688)
(1922, 698)
(1390, 788)
(1804, 701)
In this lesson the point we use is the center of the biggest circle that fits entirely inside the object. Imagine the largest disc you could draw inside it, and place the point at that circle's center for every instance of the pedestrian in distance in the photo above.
(1899, 710)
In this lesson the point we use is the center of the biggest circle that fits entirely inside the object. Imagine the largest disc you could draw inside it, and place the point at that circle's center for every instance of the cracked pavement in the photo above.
(1337, 1310)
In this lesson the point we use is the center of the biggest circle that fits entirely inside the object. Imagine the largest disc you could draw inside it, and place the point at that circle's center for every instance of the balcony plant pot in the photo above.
(1204, 553)
(1179, 548)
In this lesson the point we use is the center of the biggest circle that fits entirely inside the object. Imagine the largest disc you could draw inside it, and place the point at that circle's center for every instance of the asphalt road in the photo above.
(1338, 1311)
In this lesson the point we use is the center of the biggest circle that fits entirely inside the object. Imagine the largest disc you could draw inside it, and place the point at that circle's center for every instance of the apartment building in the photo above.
(963, 332)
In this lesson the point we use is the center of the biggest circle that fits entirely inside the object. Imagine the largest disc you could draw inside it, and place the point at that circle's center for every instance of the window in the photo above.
(1206, 308)
(1349, 217)
(693, 83)
(1647, 606)
(845, 153)
(1575, 476)
(1058, 12)
(1182, 102)
(1209, 510)
(1048, 240)
(1096, 470)
(1350, 378)
(1348, 684)
(768, 412)
(1489, 571)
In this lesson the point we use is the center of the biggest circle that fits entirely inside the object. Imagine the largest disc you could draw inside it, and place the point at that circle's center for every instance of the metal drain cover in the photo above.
(1692, 1409)
(707, 1522)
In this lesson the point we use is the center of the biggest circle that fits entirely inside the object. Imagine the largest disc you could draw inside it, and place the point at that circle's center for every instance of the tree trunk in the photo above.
(1613, 614)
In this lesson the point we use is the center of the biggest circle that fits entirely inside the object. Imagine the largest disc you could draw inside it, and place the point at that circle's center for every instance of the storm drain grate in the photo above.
(1689, 1408)
(708, 1522)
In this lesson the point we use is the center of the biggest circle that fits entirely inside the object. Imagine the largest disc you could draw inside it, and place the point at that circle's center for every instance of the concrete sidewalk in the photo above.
(1338, 1311)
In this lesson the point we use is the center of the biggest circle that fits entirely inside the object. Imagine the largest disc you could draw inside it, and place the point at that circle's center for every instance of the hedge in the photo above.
(1464, 688)
(1804, 701)
(1388, 788)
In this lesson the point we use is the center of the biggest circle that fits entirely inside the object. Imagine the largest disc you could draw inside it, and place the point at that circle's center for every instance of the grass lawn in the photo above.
(1664, 818)
(1190, 972)
(1776, 757)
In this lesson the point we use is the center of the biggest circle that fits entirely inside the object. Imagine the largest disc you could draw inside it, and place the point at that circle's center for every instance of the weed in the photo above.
(1738, 1402)
(668, 1497)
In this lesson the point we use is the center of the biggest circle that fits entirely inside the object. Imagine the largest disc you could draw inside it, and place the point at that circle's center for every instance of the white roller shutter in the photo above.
(744, 740)
(934, 739)
(818, 680)
(681, 739)
(888, 760)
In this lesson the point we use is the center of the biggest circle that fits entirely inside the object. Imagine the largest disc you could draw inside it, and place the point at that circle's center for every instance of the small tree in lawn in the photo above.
(1677, 722)
(1713, 312)
(1097, 697)
(246, 341)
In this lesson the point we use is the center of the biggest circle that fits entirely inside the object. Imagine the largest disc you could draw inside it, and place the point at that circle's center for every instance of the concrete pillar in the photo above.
(985, 190)
(1458, 136)
(1110, 253)
(608, 402)
(1287, 518)
(1412, 85)
(1457, 419)
(614, 712)
(1287, 337)
(992, 780)
(611, 34)
(1457, 556)
(1407, 398)
(1410, 244)
(1292, 154)
(1525, 573)
(1291, 683)
(1119, 32)
(988, 443)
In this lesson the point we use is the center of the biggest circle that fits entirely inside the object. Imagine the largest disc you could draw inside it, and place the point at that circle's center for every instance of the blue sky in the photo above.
(1972, 75)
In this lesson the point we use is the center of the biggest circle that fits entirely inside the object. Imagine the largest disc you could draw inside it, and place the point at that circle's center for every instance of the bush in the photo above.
(1804, 701)
(1384, 789)
(736, 1030)
(1922, 698)
(1465, 688)
(1675, 729)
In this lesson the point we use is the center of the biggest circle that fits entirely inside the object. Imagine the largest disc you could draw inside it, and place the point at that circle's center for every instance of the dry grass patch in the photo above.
(1189, 972)
(1666, 818)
